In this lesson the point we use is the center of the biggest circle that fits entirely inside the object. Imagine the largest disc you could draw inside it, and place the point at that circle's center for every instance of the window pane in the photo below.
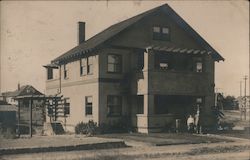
(156, 29)
(83, 62)
(88, 105)
(111, 58)
(199, 67)
(165, 30)
(90, 69)
(50, 73)
(90, 60)
(89, 99)
(163, 65)
(111, 67)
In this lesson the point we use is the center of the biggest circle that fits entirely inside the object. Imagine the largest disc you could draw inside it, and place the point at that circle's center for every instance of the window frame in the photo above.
(196, 67)
(66, 105)
(89, 65)
(82, 66)
(87, 105)
(65, 71)
(50, 73)
(197, 60)
(111, 106)
(119, 64)
(160, 36)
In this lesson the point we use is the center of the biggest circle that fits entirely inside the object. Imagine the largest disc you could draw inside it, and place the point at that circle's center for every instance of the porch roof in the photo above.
(177, 50)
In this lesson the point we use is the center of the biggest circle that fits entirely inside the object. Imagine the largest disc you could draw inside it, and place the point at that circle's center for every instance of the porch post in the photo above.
(144, 122)
(148, 104)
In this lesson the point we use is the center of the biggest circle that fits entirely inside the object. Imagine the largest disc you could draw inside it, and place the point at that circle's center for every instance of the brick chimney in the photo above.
(81, 32)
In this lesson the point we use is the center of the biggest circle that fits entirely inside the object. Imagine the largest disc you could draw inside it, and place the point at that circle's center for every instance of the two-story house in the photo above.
(152, 69)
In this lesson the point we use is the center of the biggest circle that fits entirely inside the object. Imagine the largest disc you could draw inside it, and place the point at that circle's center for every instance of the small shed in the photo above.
(8, 119)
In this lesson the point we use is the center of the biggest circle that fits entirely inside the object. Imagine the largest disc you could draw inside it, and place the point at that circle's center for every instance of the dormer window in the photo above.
(161, 33)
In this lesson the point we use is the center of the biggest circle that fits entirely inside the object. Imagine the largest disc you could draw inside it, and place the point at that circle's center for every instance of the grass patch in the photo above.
(218, 149)
(161, 139)
(193, 152)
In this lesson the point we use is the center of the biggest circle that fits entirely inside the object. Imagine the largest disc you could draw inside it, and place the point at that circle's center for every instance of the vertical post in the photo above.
(18, 120)
(30, 107)
(148, 104)
(245, 97)
(240, 88)
(241, 101)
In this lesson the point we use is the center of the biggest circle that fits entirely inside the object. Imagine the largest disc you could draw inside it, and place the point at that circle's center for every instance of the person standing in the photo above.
(190, 124)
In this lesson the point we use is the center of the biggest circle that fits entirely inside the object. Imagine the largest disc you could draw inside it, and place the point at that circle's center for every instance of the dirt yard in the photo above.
(232, 148)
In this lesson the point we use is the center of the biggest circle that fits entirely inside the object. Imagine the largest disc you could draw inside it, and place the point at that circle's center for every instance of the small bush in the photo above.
(120, 126)
(225, 126)
(89, 128)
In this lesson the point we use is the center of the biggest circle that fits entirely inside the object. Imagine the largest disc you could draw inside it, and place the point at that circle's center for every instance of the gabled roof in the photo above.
(113, 30)
(24, 90)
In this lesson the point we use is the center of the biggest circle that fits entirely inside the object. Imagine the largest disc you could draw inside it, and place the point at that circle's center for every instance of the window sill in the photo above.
(89, 115)
(114, 72)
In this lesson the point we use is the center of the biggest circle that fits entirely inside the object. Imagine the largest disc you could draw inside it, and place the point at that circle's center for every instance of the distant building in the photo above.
(149, 69)
(9, 97)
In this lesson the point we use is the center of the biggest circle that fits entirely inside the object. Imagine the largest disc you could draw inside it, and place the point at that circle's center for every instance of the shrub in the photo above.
(225, 125)
(89, 128)
(120, 126)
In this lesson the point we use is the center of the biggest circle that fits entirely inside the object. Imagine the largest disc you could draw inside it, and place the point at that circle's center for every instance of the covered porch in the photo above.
(155, 113)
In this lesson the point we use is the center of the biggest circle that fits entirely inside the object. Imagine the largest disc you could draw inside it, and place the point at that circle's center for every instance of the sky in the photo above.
(32, 33)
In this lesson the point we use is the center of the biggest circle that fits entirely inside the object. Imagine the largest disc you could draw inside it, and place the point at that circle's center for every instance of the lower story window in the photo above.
(66, 106)
(114, 105)
(88, 105)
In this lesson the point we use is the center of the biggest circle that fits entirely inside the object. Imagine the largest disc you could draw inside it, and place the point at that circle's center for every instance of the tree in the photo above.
(229, 103)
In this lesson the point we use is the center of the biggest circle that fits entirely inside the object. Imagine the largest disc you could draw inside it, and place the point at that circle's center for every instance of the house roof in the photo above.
(24, 90)
(7, 108)
(113, 30)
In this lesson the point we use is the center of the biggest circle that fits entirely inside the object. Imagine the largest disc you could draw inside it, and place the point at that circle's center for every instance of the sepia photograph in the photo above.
(124, 80)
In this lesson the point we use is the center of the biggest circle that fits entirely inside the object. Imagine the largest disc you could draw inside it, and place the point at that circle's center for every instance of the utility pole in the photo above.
(245, 96)
(241, 101)
(240, 89)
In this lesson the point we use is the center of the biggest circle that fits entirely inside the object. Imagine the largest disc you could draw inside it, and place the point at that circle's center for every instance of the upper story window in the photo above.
(83, 66)
(114, 105)
(198, 66)
(114, 63)
(161, 33)
(49, 73)
(88, 105)
(65, 71)
(86, 66)
(90, 65)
